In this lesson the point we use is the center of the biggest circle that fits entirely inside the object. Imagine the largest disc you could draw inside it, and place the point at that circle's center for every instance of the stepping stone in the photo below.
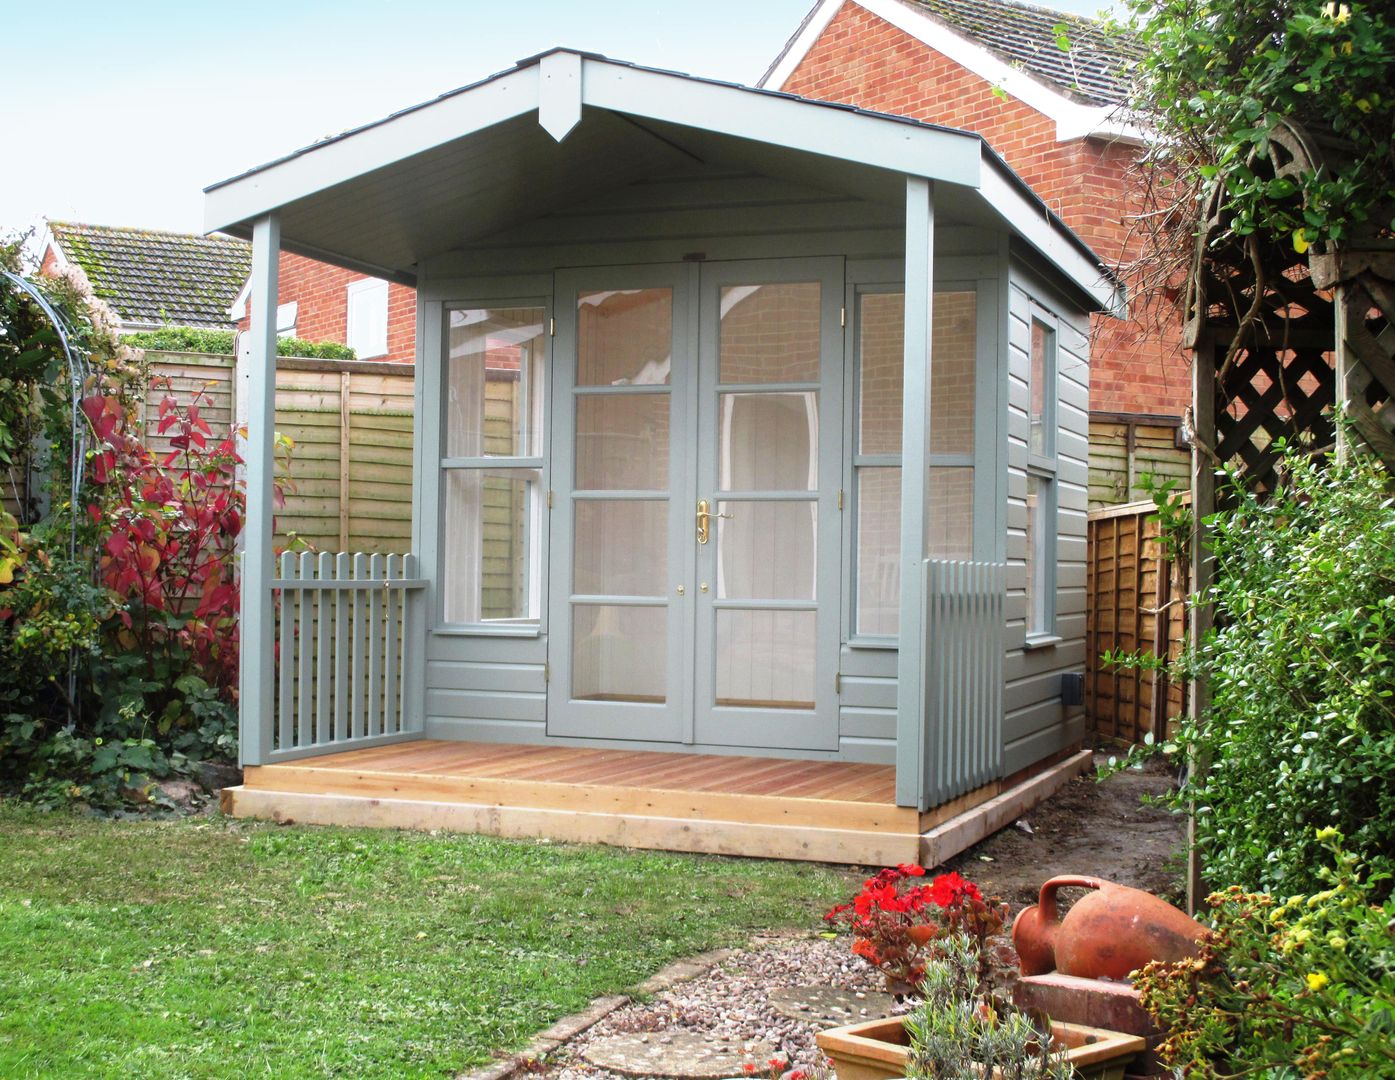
(680, 1055)
(828, 1006)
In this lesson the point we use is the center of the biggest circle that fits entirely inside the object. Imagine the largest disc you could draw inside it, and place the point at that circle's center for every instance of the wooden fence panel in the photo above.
(1124, 448)
(1136, 602)
(352, 423)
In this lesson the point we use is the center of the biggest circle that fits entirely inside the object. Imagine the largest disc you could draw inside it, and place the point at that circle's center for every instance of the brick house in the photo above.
(997, 67)
(320, 302)
(151, 278)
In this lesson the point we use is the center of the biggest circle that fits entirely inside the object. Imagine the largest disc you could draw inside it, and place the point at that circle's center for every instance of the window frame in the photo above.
(358, 291)
(1040, 627)
(534, 467)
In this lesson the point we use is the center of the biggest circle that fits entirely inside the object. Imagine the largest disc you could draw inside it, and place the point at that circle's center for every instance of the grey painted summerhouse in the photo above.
(747, 427)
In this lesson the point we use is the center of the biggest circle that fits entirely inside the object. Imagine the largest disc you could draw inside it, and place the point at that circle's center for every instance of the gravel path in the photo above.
(732, 1000)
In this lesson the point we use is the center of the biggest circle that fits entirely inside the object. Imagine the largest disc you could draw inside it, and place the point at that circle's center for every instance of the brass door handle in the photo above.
(705, 515)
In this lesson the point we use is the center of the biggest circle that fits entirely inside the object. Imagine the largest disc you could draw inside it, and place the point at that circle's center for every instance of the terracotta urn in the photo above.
(1107, 934)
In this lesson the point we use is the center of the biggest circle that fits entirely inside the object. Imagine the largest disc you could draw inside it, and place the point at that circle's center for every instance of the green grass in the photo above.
(211, 948)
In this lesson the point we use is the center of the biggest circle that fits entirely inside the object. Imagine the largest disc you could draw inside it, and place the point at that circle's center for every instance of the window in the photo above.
(367, 329)
(285, 319)
(1041, 495)
(877, 453)
(491, 489)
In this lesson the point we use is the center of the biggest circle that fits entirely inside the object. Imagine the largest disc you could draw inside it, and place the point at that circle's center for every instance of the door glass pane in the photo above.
(767, 550)
(769, 442)
(619, 653)
(953, 358)
(624, 337)
(881, 335)
(620, 547)
(494, 365)
(765, 658)
(878, 550)
(949, 532)
(622, 442)
(770, 333)
(490, 545)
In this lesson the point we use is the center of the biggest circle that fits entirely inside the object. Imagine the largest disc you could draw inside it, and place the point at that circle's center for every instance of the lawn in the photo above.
(211, 948)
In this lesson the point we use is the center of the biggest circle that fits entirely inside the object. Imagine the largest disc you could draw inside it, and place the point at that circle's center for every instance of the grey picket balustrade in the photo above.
(348, 633)
(964, 641)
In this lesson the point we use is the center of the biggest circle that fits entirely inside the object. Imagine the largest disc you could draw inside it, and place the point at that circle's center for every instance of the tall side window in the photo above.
(491, 467)
(877, 453)
(366, 331)
(1042, 397)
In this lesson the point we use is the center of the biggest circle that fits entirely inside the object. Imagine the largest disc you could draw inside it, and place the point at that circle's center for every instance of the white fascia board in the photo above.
(50, 243)
(799, 46)
(1074, 119)
(913, 149)
(1030, 220)
(242, 199)
(238, 311)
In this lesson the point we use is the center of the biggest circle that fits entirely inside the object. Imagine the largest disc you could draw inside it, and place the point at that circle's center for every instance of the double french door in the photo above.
(694, 577)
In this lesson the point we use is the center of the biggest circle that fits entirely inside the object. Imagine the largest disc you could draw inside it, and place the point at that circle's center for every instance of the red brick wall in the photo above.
(321, 291)
(863, 60)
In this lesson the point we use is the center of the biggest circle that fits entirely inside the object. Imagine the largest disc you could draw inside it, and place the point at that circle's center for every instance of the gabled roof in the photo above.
(151, 278)
(1013, 45)
(1093, 69)
(564, 126)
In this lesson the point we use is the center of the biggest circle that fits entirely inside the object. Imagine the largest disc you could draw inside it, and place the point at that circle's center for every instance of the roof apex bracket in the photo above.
(559, 93)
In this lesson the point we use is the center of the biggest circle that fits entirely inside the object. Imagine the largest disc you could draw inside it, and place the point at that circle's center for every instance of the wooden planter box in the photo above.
(877, 1049)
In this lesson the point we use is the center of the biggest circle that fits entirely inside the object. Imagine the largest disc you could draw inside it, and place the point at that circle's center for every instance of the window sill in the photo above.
(1041, 641)
(488, 631)
(873, 643)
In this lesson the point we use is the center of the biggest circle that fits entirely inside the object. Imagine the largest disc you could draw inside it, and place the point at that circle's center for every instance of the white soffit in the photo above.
(1074, 119)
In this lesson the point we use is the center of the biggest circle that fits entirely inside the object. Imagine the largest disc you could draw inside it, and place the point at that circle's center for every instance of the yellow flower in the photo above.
(1328, 833)
(1337, 942)
(1316, 980)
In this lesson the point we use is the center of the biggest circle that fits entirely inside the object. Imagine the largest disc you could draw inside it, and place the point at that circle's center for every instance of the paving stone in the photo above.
(830, 1006)
(681, 1055)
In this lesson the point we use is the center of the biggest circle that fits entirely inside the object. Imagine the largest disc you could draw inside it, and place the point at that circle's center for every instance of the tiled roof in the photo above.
(159, 277)
(1094, 67)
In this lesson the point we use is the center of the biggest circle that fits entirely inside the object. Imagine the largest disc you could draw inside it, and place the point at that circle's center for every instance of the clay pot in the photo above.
(1107, 934)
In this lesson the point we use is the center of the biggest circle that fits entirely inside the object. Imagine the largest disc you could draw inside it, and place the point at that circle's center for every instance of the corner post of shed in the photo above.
(911, 735)
(256, 676)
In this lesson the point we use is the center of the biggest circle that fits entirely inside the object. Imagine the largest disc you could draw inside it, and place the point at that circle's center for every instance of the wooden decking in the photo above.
(827, 811)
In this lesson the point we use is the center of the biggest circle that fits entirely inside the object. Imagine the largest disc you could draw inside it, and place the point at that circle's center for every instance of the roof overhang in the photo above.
(1074, 119)
(560, 127)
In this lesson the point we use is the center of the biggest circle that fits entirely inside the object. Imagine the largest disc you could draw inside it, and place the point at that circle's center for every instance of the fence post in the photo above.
(344, 444)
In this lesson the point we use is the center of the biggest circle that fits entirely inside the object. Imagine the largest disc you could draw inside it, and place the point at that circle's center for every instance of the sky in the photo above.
(120, 113)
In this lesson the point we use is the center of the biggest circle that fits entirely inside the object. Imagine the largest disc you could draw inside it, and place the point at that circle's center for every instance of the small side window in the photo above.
(1042, 395)
(366, 331)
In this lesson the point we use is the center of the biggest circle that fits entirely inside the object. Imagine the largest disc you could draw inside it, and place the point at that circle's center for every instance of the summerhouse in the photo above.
(750, 476)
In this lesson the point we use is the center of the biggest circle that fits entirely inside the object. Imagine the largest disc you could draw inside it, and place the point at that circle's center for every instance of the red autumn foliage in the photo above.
(898, 918)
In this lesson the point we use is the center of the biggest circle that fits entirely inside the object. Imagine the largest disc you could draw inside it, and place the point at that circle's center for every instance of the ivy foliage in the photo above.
(221, 342)
(1217, 77)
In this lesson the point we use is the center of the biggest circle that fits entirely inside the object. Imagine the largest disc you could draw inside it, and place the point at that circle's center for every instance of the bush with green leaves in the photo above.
(1285, 988)
(1300, 733)
(221, 342)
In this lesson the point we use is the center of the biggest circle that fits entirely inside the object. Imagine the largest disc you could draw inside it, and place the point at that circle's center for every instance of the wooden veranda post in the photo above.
(1203, 505)
(915, 477)
(256, 682)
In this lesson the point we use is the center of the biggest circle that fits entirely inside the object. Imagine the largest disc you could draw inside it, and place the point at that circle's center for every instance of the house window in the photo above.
(877, 453)
(285, 319)
(1041, 495)
(491, 466)
(367, 327)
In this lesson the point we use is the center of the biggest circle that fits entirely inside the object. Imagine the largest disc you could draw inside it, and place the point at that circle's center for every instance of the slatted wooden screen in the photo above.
(1124, 448)
(351, 468)
(1128, 582)
(963, 676)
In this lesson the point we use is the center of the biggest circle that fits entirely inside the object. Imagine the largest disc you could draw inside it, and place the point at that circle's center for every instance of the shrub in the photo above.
(1303, 987)
(1300, 734)
(192, 339)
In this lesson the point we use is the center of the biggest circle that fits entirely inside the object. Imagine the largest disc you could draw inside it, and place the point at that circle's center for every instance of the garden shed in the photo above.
(750, 476)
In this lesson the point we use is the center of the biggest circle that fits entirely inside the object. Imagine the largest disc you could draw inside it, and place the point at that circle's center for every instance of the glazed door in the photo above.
(766, 530)
(619, 623)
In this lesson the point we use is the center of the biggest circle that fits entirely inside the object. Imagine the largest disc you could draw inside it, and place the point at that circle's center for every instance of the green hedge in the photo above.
(189, 339)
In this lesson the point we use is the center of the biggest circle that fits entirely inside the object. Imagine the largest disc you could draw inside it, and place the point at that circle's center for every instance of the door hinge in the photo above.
(842, 316)
(551, 327)
(840, 500)
(547, 672)
(549, 499)
(838, 683)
